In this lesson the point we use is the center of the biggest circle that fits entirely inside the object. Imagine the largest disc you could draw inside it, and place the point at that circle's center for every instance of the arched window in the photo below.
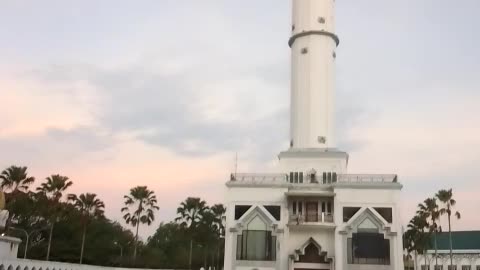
(256, 243)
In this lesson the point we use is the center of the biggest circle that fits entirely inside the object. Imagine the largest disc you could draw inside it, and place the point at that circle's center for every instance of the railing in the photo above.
(367, 178)
(259, 178)
(279, 178)
(311, 218)
(21, 264)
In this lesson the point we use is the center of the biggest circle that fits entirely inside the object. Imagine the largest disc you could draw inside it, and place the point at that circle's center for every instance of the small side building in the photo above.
(466, 252)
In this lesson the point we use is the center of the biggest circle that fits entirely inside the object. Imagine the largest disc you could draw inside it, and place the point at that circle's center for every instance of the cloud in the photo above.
(165, 93)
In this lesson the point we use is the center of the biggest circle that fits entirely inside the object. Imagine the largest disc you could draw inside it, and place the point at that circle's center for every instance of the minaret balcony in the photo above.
(311, 212)
(311, 218)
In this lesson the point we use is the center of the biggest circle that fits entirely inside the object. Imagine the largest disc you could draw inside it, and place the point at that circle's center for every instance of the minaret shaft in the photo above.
(313, 45)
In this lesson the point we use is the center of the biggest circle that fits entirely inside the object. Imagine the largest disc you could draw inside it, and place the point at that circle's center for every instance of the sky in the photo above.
(116, 94)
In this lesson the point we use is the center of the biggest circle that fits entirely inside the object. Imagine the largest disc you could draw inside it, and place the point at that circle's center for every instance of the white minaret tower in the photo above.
(313, 45)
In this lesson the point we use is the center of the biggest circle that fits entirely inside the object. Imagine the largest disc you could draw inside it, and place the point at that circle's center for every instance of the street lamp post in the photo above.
(116, 243)
(121, 248)
(27, 237)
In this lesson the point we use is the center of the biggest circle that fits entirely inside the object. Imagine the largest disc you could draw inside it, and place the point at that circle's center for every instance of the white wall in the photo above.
(20, 264)
(320, 164)
(9, 247)
(358, 197)
(255, 196)
(324, 237)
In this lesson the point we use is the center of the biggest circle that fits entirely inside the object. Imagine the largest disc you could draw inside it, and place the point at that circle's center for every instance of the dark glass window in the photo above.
(324, 209)
(294, 207)
(240, 210)
(324, 179)
(256, 246)
(291, 177)
(368, 248)
(348, 213)
(385, 212)
(300, 207)
(274, 210)
(301, 177)
(329, 207)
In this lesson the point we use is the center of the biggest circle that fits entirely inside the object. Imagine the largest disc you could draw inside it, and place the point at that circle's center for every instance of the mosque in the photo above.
(312, 213)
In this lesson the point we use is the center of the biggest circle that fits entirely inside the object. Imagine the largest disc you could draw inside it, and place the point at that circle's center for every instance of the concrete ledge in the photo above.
(366, 185)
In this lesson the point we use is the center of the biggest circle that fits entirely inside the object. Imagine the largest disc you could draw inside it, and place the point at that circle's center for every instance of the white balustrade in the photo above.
(311, 218)
(21, 264)
(367, 178)
(259, 178)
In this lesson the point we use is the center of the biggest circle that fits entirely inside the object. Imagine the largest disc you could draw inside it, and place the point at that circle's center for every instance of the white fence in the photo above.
(20, 264)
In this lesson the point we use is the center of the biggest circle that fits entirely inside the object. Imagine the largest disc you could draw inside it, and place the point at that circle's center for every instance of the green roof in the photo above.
(460, 240)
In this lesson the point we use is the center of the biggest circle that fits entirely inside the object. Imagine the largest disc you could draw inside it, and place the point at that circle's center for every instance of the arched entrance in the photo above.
(311, 257)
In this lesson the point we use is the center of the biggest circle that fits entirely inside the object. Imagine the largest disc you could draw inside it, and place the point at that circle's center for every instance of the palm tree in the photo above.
(54, 187)
(90, 207)
(53, 190)
(16, 178)
(445, 196)
(416, 238)
(429, 209)
(190, 215)
(143, 204)
(218, 211)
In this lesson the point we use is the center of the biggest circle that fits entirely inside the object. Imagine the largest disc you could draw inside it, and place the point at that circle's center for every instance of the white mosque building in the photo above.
(313, 214)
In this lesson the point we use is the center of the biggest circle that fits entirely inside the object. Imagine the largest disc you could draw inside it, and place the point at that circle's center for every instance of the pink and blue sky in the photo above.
(163, 93)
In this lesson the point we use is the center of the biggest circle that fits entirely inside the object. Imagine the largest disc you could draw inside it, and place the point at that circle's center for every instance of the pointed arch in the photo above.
(368, 220)
(257, 212)
(256, 238)
(10, 267)
(311, 252)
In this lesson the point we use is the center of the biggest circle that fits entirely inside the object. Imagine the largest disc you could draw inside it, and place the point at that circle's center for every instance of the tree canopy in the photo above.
(79, 221)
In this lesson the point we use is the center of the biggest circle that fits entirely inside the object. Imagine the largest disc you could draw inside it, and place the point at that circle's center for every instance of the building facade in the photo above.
(311, 213)
(465, 251)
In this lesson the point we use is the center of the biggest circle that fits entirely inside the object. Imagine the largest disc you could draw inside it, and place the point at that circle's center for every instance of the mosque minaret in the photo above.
(311, 213)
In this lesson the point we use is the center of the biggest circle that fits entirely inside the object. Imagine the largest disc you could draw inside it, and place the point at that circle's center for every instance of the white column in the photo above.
(313, 45)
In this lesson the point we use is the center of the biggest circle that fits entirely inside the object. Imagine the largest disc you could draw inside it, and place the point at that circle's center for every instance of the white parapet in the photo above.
(9, 247)
(20, 264)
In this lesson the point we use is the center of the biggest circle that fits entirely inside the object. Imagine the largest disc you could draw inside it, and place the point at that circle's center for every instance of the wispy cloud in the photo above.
(165, 92)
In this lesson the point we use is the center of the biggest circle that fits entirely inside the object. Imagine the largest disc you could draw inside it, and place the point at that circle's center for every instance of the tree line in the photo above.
(423, 228)
(56, 225)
